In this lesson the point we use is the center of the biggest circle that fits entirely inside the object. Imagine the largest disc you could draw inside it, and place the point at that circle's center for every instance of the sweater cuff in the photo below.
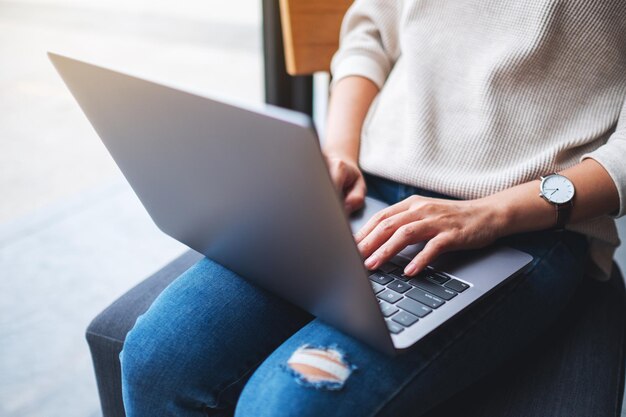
(613, 162)
(361, 65)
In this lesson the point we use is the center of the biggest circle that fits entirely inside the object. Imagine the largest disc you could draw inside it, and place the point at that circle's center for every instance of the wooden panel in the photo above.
(311, 33)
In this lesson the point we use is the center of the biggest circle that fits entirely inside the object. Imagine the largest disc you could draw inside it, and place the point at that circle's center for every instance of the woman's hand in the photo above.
(350, 100)
(348, 180)
(446, 225)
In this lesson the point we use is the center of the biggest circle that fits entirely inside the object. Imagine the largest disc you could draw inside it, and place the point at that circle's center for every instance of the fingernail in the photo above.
(370, 263)
(410, 269)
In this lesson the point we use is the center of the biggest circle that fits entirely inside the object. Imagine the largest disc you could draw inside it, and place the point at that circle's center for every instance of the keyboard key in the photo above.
(394, 328)
(399, 274)
(400, 261)
(380, 278)
(388, 267)
(390, 296)
(423, 274)
(431, 287)
(377, 287)
(404, 318)
(387, 309)
(457, 285)
(413, 307)
(399, 286)
(424, 298)
(438, 277)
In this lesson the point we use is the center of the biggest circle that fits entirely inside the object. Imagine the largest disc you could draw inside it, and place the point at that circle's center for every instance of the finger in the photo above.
(405, 235)
(383, 232)
(379, 217)
(435, 247)
(355, 198)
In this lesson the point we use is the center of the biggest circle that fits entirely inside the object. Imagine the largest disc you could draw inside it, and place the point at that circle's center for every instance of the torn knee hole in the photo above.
(320, 367)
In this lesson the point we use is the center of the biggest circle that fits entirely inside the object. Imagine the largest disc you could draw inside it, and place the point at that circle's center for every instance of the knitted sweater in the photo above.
(480, 95)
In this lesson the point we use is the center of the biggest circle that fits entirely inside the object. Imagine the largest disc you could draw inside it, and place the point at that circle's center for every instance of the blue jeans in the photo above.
(213, 344)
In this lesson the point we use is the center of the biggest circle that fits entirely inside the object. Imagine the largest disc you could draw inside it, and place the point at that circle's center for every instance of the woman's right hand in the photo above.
(348, 180)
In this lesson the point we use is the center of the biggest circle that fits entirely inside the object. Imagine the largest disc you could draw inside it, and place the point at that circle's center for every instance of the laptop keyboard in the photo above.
(405, 300)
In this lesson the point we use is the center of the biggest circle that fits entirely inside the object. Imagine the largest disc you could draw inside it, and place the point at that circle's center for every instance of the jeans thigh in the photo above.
(199, 341)
(443, 363)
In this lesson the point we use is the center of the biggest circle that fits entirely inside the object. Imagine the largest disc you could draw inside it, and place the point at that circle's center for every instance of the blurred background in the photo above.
(73, 237)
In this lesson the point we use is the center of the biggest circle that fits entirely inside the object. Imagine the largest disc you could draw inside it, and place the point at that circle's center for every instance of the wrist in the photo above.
(500, 214)
(345, 155)
(519, 209)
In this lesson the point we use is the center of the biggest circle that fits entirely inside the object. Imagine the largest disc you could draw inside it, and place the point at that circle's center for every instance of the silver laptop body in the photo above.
(248, 188)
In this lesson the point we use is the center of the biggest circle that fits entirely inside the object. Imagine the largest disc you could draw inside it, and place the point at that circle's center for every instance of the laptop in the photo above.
(248, 187)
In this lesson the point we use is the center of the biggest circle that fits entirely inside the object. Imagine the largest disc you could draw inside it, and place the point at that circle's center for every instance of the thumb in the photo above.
(355, 198)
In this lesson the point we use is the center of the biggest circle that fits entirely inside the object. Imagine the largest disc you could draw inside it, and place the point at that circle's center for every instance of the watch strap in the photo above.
(563, 214)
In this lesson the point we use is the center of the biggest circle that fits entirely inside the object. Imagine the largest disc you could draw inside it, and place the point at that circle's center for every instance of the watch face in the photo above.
(557, 189)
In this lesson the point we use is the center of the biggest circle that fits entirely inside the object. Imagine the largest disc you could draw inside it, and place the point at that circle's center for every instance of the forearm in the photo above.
(521, 209)
(349, 102)
(447, 225)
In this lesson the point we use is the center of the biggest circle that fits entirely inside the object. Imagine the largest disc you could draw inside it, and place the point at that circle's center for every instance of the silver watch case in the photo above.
(545, 197)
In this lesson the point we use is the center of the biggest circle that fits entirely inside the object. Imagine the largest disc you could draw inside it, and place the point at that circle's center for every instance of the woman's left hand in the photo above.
(445, 225)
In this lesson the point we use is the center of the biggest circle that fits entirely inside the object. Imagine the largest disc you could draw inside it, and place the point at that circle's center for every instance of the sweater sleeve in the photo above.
(369, 44)
(612, 156)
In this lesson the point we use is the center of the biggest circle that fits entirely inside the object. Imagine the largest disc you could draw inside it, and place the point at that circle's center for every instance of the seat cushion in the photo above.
(575, 370)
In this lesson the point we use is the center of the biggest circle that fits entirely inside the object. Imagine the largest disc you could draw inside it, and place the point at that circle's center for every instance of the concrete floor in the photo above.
(60, 268)
(73, 236)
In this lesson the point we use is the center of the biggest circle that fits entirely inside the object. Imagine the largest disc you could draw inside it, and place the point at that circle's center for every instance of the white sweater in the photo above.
(477, 96)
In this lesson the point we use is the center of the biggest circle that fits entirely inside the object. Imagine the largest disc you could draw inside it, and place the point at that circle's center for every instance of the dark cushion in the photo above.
(575, 370)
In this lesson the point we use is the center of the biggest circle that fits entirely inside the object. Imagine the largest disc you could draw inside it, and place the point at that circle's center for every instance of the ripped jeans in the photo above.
(214, 345)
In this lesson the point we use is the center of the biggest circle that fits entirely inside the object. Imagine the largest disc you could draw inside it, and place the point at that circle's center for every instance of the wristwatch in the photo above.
(558, 191)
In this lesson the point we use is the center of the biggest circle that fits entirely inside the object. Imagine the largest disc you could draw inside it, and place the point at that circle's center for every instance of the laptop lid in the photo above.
(246, 187)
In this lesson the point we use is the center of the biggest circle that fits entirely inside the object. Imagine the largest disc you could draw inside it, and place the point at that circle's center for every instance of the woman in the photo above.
(450, 112)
